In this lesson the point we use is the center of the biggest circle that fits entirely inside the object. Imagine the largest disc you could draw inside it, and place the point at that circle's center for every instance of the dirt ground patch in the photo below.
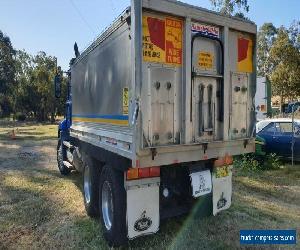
(40, 209)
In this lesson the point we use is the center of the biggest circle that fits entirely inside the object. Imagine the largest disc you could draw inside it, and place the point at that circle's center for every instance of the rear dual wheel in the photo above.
(112, 206)
(105, 195)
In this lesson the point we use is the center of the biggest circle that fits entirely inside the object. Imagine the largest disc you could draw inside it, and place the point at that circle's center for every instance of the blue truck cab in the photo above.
(64, 126)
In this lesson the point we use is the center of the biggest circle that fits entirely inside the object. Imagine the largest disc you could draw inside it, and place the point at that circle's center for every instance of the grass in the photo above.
(27, 131)
(40, 209)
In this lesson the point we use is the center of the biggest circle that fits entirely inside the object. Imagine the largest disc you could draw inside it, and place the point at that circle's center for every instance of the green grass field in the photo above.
(40, 209)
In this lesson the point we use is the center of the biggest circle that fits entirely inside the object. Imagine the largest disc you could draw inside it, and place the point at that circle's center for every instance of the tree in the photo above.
(265, 39)
(35, 92)
(278, 57)
(285, 59)
(231, 7)
(25, 93)
(7, 74)
(294, 32)
(26, 83)
(42, 78)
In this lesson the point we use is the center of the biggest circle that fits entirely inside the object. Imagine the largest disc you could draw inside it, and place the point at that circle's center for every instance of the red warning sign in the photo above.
(245, 54)
(162, 40)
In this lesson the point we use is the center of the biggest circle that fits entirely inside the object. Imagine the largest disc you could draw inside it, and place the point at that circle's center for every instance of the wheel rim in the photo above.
(107, 205)
(87, 185)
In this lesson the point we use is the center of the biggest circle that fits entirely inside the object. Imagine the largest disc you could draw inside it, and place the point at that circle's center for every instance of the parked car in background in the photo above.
(260, 146)
(278, 136)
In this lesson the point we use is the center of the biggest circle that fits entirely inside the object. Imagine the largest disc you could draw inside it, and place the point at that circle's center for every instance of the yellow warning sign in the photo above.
(153, 47)
(173, 41)
(162, 40)
(125, 101)
(245, 55)
(205, 60)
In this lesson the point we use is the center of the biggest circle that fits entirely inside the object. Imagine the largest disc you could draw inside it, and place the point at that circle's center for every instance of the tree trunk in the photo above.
(52, 117)
(281, 103)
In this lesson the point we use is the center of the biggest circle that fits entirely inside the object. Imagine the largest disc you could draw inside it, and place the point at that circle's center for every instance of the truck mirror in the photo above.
(57, 84)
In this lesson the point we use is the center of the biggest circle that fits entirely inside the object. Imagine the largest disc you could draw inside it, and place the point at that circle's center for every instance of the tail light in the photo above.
(154, 172)
(143, 173)
(140, 173)
(132, 174)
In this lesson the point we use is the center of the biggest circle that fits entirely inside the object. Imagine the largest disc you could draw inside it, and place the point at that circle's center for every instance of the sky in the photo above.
(54, 25)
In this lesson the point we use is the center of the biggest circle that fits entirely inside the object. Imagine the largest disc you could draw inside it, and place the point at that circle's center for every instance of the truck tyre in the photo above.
(112, 206)
(91, 175)
(60, 159)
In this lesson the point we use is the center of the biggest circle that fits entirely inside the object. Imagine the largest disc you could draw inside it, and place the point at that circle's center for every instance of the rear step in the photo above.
(68, 144)
(68, 164)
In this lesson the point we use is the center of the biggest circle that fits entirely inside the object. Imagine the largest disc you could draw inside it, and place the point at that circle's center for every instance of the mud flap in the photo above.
(222, 192)
(142, 210)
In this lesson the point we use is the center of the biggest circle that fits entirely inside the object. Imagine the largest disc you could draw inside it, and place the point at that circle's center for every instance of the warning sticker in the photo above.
(125, 101)
(162, 40)
(245, 55)
(205, 60)
(206, 29)
(173, 41)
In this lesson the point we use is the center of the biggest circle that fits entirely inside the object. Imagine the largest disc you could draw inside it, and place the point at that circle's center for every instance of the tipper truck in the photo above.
(157, 107)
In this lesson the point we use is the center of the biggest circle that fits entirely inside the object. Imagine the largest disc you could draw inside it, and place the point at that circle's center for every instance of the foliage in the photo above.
(252, 162)
(285, 59)
(7, 74)
(247, 162)
(265, 39)
(272, 162)
(26, 83)
(42, 80)
(231, 7)
(25, 93)
(241, 15)
(278, 57)
(294, 32)
(35, 76)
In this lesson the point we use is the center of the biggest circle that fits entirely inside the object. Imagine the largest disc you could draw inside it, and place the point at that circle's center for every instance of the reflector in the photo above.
(154, 172)
(143, 172)
(132, 174)
(140, 173)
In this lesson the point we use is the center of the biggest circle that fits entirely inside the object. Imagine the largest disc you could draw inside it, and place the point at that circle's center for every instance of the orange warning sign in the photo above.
(162, 40)
(245, 54)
